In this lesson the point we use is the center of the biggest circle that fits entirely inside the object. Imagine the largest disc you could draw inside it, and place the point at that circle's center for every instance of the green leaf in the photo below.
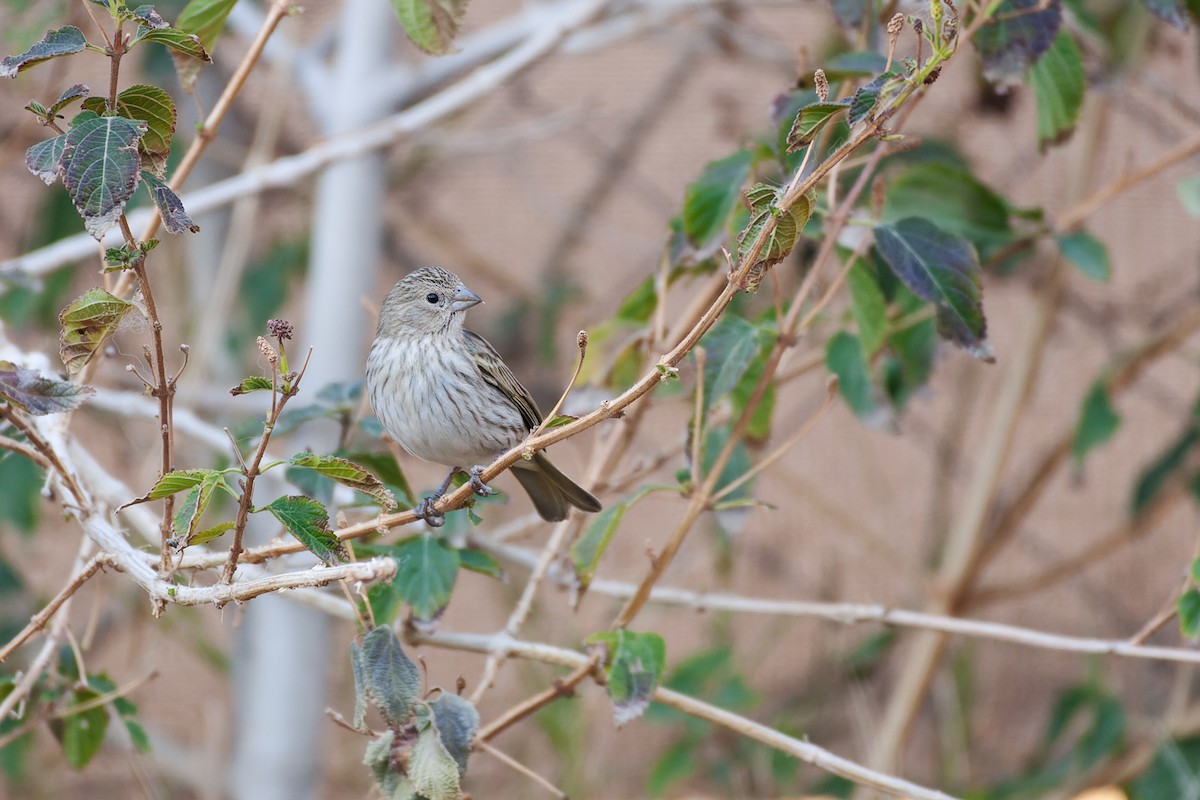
(1088, 253)
(385, 466)
(44, 159)
(308, 521)
(38, 394)
(457, 722)
(433, 772)
(941, 269)
(709, 202)
(208, 534)
(431, 24)
(177, 481)
(951, 197)
(1162, 469)
(1098, 421)
(425, 573)
(587, 550)
(634, 666)
(1172, 773)
(729, 348)
(175, 218)
(844, 356)
(100, 165)
(783, 237)
(21, 483)
(1021, 31)
(125, 709)
(384, 677)
(1058, 85)
(205, 18)
(59, 42)
(255, 383)
(560, 420)
(1189, 194)
(151, 105)
(1171, 12)
(869, 308)
(1189, 613)
(479, 561)
(867, 96)
(82, 733)
(189, 511)
(177, 41)
(811, 119)
(86, 323)
(68, 96)
(349, 474)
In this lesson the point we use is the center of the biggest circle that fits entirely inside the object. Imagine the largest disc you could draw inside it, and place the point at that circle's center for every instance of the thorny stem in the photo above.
(252, 472)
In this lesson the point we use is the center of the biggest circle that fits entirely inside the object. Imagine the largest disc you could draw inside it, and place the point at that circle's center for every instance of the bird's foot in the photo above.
(476, 482)
(426, 511)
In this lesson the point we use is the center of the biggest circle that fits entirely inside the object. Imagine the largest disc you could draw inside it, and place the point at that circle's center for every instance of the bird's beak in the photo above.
(464, 298)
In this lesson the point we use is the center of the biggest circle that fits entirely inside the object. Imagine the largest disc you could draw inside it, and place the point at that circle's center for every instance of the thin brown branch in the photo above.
(251, 473)
(562, 687)
(517, 766)
(39, 620)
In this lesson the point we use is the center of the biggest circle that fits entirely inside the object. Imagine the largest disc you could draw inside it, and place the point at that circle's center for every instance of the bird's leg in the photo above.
(424, 509)
(477, 485)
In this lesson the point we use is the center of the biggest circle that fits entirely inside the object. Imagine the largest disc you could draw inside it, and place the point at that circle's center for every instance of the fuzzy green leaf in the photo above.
(587, 550)
(844, 356)
(308, 521)
(174, 482)
(1164, 468)
(867, 96)
(1189, 613)
(82, 733)
(457, 722)
(38, 394)
(955, 200)
(811, 119)
(1021, 32)
(479, 561)
(384, 677)
(783, 237)
(1098, 421)
(153, 106)
(349, 474)
(869, 307)
(100, 167)
(208, 534)
(1059, 84)
(86, 323)
(177, 41)
(205, 18)
(710, 201)
(433, 772)
(255, 383)
(634, 666)
(384, 465)
(59, 42)
(941, 269)
(1088, 254)
(174, 216)
(44, 159)
(425, 573)
(187, 515)
(431, 24)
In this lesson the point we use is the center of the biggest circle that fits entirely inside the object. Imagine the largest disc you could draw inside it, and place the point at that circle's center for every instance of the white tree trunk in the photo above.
(286, 649)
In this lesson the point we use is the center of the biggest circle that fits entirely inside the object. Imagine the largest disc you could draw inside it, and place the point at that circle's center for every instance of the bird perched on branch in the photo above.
(445, 395)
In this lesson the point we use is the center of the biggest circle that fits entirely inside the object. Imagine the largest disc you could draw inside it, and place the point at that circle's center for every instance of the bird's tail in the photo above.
(552, 492)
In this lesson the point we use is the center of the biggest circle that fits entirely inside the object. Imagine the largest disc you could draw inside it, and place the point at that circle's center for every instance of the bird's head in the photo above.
(426, 300)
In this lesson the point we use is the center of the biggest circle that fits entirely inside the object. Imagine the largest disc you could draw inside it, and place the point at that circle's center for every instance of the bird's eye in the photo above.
(432, 297)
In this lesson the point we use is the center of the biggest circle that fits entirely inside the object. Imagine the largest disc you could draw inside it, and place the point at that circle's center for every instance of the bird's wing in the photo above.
(496, 372)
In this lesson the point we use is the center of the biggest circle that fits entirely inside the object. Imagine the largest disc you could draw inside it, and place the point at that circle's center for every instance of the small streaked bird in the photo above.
(445, 395)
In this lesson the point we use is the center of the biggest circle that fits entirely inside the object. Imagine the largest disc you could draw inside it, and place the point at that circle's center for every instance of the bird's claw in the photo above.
(426, 511)
(476, 482)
